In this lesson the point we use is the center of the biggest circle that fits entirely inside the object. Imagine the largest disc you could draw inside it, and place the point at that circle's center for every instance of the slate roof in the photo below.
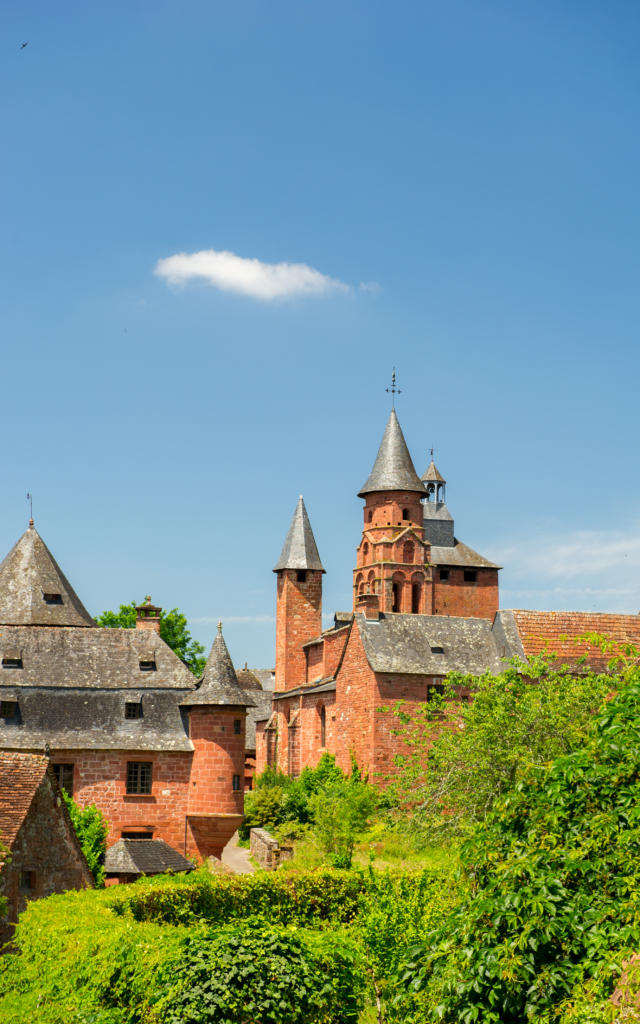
(96, 658)
(27, 574)
(72, 719)
(262, 703)
(401, 643)
(393, 469)
(460, 554)
(144, 857)
(267, 677)
(300, 550)
(555, 632)
(248, 680)
(436, 510)
(219, 683)
(432, 473)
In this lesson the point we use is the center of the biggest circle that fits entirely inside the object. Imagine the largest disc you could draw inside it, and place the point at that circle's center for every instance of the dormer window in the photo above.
(147, 665)
(51, 598)
(8, 708)
(12, 658)
(132, 709)
(437, 650)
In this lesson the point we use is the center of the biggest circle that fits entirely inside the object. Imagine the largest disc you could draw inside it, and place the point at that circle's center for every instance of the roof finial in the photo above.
(220, 626)
(393, 389)
(30, 500)
(431, 451)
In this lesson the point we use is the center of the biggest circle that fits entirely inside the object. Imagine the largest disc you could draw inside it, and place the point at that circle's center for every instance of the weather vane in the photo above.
(393, 389)
(30, 500)
(431, 451)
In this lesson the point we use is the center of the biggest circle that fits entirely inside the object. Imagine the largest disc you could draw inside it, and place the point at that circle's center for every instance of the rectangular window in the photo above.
(237, 726)
(27, 881)
(302, 576)
(8, 708)
(52, 598)
(437, 650)
(434, 689)
(139, 776)
(133, 709)
(444, 575)
(147, 666)
(64, 775)
(138, 834)
(470, 575)
(236, 783)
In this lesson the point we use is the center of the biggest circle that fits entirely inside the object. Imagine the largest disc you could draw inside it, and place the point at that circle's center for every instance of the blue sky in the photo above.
(462, 180)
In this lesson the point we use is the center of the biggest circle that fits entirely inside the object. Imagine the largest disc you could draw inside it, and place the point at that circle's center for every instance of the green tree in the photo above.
(173, 630)
(91, 830)
(461, 757)
(341, 812)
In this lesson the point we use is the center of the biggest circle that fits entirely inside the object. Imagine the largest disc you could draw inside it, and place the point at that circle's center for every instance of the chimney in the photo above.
(369, 604)
(148, 615)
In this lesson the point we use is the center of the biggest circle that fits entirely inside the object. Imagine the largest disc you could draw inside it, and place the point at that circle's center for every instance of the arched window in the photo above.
(416, 595)
(370, 515)
(405, 513)
(365, 549)
(371, 583)
(431, 492)
(323, 726)
(407, 551)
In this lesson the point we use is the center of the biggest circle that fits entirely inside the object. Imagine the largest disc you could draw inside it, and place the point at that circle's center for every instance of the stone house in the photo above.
(424, 604)
(128, 726)
(35, 827)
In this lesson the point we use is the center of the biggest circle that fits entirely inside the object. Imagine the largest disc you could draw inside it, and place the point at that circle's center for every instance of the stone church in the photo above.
(424, 604)
(125, 723)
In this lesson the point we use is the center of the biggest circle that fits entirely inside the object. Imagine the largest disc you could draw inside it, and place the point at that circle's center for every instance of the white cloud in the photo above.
(207, 620)
(252, 277)
(586, 570)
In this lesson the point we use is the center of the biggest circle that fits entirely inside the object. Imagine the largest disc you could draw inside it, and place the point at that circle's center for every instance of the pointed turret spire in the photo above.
(33, 589)
(219, 683)
(300, 550)
(434, 482)
(393, 469)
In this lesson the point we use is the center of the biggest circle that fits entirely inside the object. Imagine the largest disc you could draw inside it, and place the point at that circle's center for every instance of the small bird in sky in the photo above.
(22, 45)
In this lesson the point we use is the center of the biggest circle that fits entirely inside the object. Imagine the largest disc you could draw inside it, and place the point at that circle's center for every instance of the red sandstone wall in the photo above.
(218, 756)
(298, 619)
(315, 662)
(333, 648)
(354, 707)
(311, 747)
(100, 778)
(478, 600)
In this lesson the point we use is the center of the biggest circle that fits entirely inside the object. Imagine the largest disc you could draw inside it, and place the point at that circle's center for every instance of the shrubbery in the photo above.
(91, 829)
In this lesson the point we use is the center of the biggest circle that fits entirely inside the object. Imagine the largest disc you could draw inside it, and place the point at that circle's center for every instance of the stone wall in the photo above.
(267, 850)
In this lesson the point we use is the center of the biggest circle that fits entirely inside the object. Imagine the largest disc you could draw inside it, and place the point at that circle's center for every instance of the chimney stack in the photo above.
(369, 604)
(148, 615)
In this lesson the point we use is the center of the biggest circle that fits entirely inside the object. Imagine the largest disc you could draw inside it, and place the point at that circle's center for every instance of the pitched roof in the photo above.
(219, 683)
(402, 643)
(431, 473)
(300, 550)
(556, 633)
(20, 778)
(393, 469)
(460, 554)
(248, 680)
(144, 857)
(262, 709)
(33, 589)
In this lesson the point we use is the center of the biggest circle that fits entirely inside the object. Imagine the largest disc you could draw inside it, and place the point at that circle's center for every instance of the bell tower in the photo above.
(393, 556)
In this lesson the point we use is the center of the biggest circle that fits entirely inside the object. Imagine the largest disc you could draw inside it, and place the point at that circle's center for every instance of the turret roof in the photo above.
(300, 550)
(393, 469)
(219, 683)
(433, 474)
(33, 589)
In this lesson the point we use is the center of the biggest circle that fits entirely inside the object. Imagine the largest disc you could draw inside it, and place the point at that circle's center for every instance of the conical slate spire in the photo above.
(300, 550)
(393, 469)
(33, 589)
(219, 684)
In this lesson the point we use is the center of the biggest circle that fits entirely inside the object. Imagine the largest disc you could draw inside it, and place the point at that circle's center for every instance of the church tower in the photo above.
(393, 556)
(299, 603)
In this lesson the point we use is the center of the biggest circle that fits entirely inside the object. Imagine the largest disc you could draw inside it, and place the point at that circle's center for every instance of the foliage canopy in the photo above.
(173, 630)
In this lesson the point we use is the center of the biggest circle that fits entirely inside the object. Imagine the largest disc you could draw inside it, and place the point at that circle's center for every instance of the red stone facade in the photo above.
(477, 598)
(195, 803)
(299, 614)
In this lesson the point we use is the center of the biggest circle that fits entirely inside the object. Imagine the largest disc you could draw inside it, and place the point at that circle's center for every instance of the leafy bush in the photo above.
(486, 745)
(91, 830)
(551, 905)
(287, 898)
(341, 811)
(261, 976)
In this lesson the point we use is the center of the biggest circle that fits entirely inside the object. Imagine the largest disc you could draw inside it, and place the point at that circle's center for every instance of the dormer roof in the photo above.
(300, 550)
(393, 469)
(219, 683)
(33, 589)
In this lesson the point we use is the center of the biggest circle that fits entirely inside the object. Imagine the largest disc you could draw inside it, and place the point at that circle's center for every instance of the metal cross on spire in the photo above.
(30, 500)
(393, 389)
